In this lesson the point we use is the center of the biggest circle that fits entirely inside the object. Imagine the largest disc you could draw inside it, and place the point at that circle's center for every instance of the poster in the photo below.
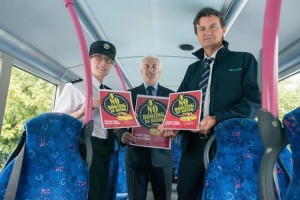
(116, 109)
(184, 110)
(150, 111)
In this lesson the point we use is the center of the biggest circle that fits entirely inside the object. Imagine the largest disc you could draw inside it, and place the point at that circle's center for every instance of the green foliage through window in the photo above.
(28, 96)
(289, 94)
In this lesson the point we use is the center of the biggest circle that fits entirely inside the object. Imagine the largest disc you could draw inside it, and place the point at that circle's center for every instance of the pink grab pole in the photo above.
(270, 57)
(118, 71)
(88, 77)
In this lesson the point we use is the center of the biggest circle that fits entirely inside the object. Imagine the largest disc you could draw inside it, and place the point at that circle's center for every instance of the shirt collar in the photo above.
(214, 54)
(95, 82)
(155, 85)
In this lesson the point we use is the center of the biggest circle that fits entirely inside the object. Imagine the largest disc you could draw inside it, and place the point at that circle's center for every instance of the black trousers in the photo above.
(138, 178)
(191, 168)
(99, 171)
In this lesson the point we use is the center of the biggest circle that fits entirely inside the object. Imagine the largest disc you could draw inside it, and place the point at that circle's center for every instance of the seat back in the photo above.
(291, 123)
(122, 192)
(52, 167)
(176, 151)
(113, 176)
(233, 172)
(284, 172)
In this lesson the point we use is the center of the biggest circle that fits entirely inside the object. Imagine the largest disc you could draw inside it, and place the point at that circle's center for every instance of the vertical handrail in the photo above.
(119, 73)
(87, 69)
(88, 122)
(270, 57)
(269, 125)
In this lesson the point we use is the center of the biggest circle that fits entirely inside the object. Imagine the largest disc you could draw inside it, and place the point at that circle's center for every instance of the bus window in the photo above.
(28, 96)
(289, 94)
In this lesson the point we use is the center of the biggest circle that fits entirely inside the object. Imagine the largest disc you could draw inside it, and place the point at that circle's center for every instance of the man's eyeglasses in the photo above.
(100, 57)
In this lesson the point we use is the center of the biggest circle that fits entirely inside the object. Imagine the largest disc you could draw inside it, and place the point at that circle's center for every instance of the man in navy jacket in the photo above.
(232, 92)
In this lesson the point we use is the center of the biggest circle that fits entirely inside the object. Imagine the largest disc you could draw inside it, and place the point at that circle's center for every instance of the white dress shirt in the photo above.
(207, 95)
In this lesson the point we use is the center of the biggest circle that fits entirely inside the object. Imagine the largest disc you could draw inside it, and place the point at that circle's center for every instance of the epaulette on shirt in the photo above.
(75, 81)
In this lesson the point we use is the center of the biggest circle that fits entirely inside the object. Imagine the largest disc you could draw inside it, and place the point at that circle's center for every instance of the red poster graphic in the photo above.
(150, 113)
(184, 110)
(116, 109)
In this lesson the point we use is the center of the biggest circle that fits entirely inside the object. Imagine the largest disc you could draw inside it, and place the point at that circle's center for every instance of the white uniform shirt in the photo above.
(73, 96)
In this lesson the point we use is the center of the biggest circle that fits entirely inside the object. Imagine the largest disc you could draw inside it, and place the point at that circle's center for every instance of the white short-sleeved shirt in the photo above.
(73, 96)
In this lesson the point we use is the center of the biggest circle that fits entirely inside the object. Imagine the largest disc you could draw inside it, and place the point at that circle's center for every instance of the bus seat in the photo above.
(113, 175)
(52, 167)
(176, 152)
(233, 172)
(238, 159)
(291, 123)
(122, 192)
(284, 171)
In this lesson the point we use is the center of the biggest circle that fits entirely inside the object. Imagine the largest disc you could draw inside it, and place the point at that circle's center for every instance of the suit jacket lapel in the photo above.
(159, 90)
(142, 90)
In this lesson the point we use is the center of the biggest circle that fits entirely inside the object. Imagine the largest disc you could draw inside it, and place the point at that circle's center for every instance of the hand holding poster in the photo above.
(184, 110)
(150, 113)
(116, 109)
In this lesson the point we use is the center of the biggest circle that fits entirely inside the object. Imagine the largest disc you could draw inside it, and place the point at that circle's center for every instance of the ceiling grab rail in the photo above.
(88, 122)
(119, 73)
(269, 125)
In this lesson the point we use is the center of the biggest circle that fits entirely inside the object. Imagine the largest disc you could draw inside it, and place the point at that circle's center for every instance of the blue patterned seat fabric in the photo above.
(233, 172)
(52, 166)
(122, 193)
(291, 122)
(176, 148)
(284, 175)
(113, 176)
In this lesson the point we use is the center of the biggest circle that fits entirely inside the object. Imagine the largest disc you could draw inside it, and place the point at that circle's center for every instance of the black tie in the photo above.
(149, 90)
(101, 86)
(204, 79)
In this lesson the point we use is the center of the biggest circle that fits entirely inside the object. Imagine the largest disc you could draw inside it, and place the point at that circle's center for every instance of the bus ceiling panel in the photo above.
(150, 33)
(231, 10)
(44, 25)
(37, 72)
(288, 39)
(133, 28)
(289, 58)
(139, 28)
(246, 33)
(290, 72)
(33, 57)
(289, 27)
(92, 29)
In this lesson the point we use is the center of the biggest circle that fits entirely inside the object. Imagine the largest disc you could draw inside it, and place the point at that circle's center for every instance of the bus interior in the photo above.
(39, 38)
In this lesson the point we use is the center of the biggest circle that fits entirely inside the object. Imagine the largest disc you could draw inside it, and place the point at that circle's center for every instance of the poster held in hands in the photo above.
(150, 112)
(183, 111)
(116, 109)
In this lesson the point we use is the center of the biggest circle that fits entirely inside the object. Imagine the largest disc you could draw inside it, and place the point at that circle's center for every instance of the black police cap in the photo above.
(103, 47)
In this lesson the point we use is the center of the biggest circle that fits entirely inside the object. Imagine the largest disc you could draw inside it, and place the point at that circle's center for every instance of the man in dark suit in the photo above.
(143, 163)
(230, 91)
